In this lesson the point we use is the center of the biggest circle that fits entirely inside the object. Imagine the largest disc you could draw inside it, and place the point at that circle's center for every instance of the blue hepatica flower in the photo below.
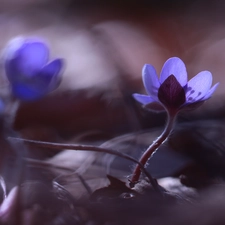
(28, 69)
(172, 91)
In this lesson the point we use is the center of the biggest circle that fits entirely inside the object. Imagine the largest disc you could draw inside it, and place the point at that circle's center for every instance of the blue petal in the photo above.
(150, 80)
(144, 99)
(210, 92)
(39, 85)
(51, 73)
(25, 58)
(174, 66)
(198, 86)
(26, 92)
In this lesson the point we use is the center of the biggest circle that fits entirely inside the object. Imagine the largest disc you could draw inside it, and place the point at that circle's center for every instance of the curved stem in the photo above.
(153, 147)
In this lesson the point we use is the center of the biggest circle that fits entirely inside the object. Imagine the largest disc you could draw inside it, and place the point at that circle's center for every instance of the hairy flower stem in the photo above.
(154, 146)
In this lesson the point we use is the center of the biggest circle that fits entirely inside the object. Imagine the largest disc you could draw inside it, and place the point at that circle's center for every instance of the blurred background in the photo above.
(105, 45)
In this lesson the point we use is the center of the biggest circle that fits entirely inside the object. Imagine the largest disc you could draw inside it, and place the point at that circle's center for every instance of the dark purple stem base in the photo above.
(153, 148)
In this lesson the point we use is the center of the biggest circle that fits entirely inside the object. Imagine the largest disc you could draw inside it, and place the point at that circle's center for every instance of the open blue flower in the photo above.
(28, 69)
(172, 90)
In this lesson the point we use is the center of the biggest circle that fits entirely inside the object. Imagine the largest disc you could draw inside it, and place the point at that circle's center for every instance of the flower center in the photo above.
(171, 93)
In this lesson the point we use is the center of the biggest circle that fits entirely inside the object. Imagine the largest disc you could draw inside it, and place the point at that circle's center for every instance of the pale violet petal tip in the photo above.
(198, 86)
(150, 79)
(174, 66)
(143, 99)
(54, 67)
(51, 73)
(210, 92)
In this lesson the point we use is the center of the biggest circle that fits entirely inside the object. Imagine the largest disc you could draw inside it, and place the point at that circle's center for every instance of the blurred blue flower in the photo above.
(28, 69)
(172, 91)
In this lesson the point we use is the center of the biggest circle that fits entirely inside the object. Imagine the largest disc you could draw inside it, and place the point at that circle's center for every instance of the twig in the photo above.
(59, 146)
